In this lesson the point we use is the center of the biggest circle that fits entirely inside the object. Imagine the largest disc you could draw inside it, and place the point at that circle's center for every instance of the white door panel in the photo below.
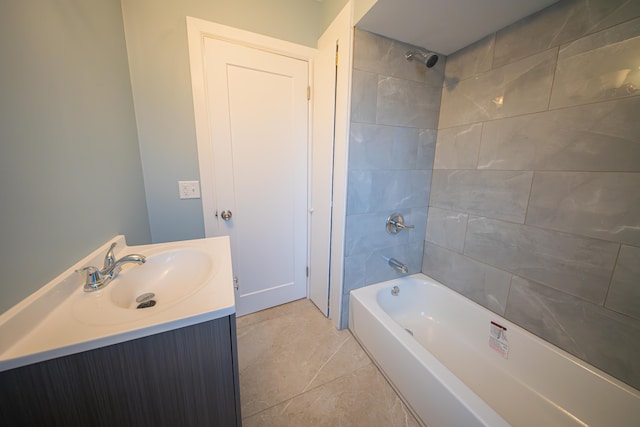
(258, 114)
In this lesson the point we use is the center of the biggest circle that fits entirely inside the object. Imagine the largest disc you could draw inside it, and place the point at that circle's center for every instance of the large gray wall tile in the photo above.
(354, 272)
(518, 88)
(364, 90)
(457, 148)
(595, 131)
(367, 232)
(426, 148)
(383, 191)
(607, 71)
(407, 103)
(605, 339)
(473, 59)
(479, 282)
(395, 106)
(577, 265)
(381, 55)
(496, 194)
(596, 204)
(513, 143)
(597, 137)
(446, 228)
(378, 268)
(382, 147)
(417, 217)
(624, 294)
(565, 21)
(619, 33)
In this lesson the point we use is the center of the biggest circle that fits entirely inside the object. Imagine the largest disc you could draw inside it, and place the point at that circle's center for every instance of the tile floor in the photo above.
(297, 369)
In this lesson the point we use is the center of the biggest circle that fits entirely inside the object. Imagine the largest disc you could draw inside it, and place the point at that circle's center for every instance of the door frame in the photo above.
(197, 30)
(343, 28)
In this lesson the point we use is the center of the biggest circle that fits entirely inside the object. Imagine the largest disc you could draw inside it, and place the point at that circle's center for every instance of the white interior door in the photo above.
(328, 191)
(258, 113)
(324, 85)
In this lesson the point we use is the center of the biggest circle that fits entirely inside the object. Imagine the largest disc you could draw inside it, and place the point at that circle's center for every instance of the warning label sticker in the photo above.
(498, 339)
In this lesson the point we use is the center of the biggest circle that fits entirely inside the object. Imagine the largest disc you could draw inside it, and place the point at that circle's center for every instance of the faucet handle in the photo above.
(93, 280)
(110, 257)
(395, 224)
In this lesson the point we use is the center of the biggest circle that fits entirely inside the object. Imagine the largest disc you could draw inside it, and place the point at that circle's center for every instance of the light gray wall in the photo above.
(535, 196)
(394, 116)
(330, 9)
(156, 36)
(361, 7)
(70, 175)
(70, 164)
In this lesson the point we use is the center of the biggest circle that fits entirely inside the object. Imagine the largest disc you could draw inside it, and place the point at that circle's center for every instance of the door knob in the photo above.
(226, 215)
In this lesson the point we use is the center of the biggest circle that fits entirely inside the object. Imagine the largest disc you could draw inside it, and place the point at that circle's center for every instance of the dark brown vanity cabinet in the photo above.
(183, 377)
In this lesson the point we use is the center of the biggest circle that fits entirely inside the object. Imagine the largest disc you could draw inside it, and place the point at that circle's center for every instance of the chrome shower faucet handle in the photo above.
(395, 224)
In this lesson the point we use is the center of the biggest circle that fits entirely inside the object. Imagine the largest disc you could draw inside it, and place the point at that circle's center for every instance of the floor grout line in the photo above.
(325, 363)
(290, 399)
(279, 410)
(304, 390)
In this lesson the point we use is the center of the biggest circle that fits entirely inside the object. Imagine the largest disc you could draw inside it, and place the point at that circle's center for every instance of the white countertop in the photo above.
(61, 319)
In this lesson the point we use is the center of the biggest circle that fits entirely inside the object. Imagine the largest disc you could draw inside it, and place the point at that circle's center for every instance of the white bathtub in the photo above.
(449, 375)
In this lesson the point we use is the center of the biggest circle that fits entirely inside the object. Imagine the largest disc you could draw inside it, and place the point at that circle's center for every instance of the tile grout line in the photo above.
(316, 375)
(302, 393)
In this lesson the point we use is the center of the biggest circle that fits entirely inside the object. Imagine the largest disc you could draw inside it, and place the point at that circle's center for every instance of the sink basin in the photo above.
(173, 273)
(169, 275)
(192, 282)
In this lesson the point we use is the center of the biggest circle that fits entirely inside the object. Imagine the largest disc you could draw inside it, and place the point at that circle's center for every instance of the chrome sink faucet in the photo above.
(98, 279)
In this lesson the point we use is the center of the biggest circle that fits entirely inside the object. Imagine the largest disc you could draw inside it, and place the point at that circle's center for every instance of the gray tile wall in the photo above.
(535, 196)
(394, 117)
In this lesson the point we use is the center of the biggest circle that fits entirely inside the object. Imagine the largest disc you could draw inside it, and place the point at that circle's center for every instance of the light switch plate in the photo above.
(189, 189)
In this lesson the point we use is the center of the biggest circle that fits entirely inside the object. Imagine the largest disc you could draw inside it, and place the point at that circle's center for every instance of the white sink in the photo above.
(191, 282)
(170, 275)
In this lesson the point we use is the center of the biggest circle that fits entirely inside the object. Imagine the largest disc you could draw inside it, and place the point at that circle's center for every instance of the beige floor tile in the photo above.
(348, 358)
(362, 398)
(297, 369)
(279, 357)
(272, 313)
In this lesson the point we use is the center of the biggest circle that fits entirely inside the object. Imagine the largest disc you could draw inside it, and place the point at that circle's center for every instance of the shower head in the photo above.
(429, 59)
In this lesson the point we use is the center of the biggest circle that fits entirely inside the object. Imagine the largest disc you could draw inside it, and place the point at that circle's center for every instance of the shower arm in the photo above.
(429, 59)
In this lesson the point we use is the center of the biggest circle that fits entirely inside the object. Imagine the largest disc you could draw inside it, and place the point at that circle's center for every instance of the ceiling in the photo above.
(445, 26)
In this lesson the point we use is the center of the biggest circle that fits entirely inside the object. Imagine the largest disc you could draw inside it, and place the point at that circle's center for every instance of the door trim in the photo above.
(343, 28)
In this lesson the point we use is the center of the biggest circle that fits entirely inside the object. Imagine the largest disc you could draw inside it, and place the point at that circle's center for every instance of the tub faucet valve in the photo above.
(395, 224)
